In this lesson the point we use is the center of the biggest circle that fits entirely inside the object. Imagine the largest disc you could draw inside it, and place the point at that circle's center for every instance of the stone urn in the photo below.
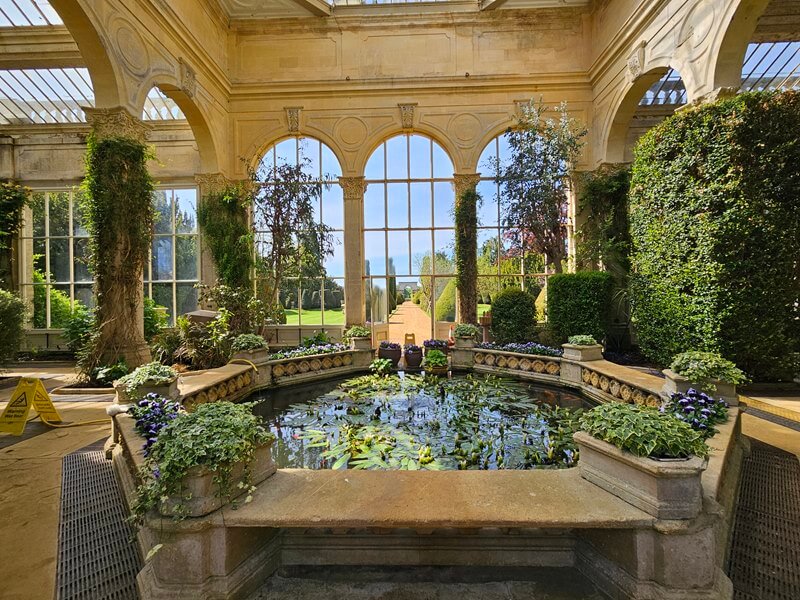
(413, 359)
(167, 390)
(361, 343)
(665, 489)
(583, 353)
(674, 383)
(202, 491)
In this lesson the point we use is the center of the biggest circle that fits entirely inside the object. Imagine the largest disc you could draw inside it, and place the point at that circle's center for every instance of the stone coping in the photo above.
(722, 446)
(197, 382)
(309, 356)
(630, 376)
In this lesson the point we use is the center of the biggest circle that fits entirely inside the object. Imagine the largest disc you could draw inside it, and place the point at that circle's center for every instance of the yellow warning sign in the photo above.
(29, 393)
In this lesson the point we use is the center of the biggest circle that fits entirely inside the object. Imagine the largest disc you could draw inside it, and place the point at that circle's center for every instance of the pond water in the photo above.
(414, 422)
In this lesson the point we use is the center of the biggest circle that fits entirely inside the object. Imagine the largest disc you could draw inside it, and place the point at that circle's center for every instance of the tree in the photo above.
(536, 179)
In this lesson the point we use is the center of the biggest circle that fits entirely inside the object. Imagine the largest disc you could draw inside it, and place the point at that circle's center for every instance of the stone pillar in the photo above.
(208, 183)
(467, 307)
(118, 122)
(354, 189)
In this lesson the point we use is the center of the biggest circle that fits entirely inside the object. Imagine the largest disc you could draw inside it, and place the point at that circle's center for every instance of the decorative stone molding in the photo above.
(464, 182)
(635, 66)
(313, 364)
(354, 188)
(211, 182)
(116, 122)
(188, 79)
(619, 389)
(526, 363)
(407, 112)
(293, 118)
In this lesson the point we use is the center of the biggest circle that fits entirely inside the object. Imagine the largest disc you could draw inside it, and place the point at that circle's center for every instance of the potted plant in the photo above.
(203, 460)
(705, 371)
(648, 458)
(435, 363)
(466, 334)
(152, 378)
(582, 348)
(249, 346)
(413, 354)
(440, 345)
(390, 350)
(381, 366)
(360, 337)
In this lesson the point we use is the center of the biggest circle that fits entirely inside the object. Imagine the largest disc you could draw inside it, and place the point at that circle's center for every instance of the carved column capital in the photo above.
(463, 182)
(293, 118)
(354, 188)
(116, 122)
(211, 182)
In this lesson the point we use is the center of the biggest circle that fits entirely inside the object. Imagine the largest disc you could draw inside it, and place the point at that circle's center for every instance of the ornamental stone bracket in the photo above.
(635, 65)
(116, 122)
(188, 79)
(407, 113)
(293, 118)
(465, 182)
(353, 188)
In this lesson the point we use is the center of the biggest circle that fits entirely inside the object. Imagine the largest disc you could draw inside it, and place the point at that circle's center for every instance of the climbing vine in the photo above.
(13, 198)
(118, 214)
(466, 222)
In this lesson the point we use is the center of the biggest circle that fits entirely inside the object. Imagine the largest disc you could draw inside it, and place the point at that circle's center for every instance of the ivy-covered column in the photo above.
(466, 223)
(208, 183)
(354, 189)
(119, 214)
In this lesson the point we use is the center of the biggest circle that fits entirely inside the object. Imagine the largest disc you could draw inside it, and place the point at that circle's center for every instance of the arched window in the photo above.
(312, 294)
(500, 265)
(409, 237)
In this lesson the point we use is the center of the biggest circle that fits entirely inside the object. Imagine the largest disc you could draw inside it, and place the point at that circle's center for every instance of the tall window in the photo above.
(500, 265)
(54, 265)
(313, 294)
(174, 268)
(408, 229)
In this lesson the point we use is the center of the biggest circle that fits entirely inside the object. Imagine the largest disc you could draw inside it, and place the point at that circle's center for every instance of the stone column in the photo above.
(467, 307)
(107, 123)
(354, 189)
(208, 183)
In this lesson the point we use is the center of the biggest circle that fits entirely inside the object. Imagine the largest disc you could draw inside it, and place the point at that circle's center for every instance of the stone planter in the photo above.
(413, 359)
(666, 489)
(392, 355)
(167, 390)
(464, 343)
(199, 485)
(583, 353)
(361, 343)
(257, 357)
(437, 371)
(677, 383)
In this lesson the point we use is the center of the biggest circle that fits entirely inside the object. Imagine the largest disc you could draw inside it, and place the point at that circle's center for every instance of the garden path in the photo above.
(409, 318)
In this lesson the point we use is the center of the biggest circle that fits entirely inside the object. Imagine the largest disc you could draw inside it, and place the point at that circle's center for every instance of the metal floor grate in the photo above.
(97, 559)
(765, 550)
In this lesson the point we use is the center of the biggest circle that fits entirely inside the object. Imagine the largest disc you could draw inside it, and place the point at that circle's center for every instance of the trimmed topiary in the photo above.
(513, 316)
(579, 304)
(715, 223)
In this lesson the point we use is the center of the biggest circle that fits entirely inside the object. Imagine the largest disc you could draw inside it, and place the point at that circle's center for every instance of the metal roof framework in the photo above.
(27, 13)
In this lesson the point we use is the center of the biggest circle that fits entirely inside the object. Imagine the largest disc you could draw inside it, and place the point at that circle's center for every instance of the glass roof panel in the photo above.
(27, 13)
(40, 96)
(767, 66)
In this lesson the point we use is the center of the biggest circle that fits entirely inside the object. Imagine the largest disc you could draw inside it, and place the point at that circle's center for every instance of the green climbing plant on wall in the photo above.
(13, 198)
(466, 223)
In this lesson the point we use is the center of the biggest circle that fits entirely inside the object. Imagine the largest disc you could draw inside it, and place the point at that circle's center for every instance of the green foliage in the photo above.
(467, 330)
(206, 345)
(13, 198)
(579, 304)
(318, 338)
(151, 374)
(166, 344)
(705, 367)
(216, 436)
(513, 316)
(154, 320)
(247, 314)
(12, 321)
(466, 238)
(715, 223)
(78, 328)
(358, 331)
(222, 217)
(108, 375)
(643, 431)
(446, 302)
(381, 366)
(582, 340)
(248, 342)
(60, 305)
(434, 359)
(535, 181)
(118, 214)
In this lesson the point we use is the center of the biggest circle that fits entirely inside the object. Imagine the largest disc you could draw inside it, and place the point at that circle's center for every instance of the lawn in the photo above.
(313, 316)
(483, 308)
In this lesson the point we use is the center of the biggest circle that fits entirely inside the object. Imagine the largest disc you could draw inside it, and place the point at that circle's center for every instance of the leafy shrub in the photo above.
(216, 436)
(166, 344)
(435, 359)
(526, 348)
(150, 374)
(381, 366)
(152, 414)
(579, 304)
(12, 322)
(446, 302)
(697, 409)
(109, 374)
(643, 431)
(13, 198)
(467, 330)
(155, 318)
(704, 367)
(60, 305)
(513, 316)
(248, 342)
(78, 328)
(246, 312)
(358, 331)
(582, 340)
(715, 220)
(205, 345)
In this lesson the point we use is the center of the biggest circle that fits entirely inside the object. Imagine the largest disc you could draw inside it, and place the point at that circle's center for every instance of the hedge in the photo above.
(513, 316)
(579, 304)
(715, 224)
(446, 302)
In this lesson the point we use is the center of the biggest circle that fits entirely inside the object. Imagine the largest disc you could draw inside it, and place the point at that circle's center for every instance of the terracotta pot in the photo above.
(413, 359)
(392, 355)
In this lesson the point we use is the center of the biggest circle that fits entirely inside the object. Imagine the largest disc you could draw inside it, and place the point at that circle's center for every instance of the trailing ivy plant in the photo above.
(13, 198)
(151, 374)
(467, 330)
(118, 214)
(248, 342)
(466, 238)
(706, 367)
(582, 340)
